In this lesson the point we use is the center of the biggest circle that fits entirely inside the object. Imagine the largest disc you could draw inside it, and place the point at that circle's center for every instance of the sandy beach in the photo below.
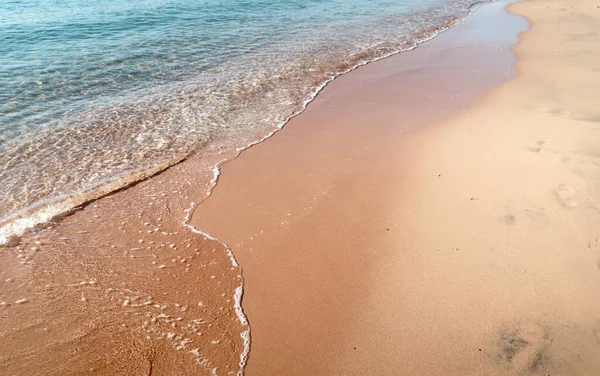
(468, 247)
(433, 213)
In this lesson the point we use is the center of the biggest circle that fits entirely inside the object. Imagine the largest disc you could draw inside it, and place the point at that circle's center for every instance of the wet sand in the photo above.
(123, 287)
(374, 244)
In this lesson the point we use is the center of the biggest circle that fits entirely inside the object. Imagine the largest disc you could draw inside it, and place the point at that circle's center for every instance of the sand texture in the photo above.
(374, 246)
(433, 213)
(122, 287)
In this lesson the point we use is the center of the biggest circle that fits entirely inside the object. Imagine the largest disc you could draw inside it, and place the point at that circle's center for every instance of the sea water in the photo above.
(96, 94)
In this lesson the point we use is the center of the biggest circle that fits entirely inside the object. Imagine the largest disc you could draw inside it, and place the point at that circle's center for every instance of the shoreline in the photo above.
(242, 215)
(38, 214)
(131, 252)
(410, 220)
(122, 248)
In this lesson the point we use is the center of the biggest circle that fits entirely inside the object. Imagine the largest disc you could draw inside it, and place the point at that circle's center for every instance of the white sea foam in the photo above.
(239, 291)
(19, 222)
(19, 225)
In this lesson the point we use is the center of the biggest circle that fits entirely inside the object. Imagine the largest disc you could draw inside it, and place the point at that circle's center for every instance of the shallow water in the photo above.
(97, 94)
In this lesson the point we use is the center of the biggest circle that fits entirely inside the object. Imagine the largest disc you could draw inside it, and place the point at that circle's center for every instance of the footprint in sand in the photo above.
(523, 347)
(508, 219)
(566, 196)
(588, 118)
(540, 146)
(594, 245)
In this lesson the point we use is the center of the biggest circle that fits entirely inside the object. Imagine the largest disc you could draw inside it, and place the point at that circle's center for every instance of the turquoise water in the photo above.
(96, 94)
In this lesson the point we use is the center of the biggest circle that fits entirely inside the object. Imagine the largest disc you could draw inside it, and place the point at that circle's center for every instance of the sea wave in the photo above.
(112, 142)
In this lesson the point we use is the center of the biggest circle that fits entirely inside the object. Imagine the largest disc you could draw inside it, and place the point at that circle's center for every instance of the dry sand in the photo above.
(374, 246)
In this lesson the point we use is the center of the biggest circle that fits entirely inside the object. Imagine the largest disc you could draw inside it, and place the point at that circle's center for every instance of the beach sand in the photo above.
(374, 245)
(423, 216)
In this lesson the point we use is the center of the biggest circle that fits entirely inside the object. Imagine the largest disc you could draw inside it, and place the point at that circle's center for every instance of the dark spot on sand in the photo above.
(537, 361)
(13, 241)
(511, 344)
(354, 348)
(387, 229)
(474, 198)
(509, 219)
(588, 119)
(439, 175)
(524, 347)
(554, 111)
(540, 146)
